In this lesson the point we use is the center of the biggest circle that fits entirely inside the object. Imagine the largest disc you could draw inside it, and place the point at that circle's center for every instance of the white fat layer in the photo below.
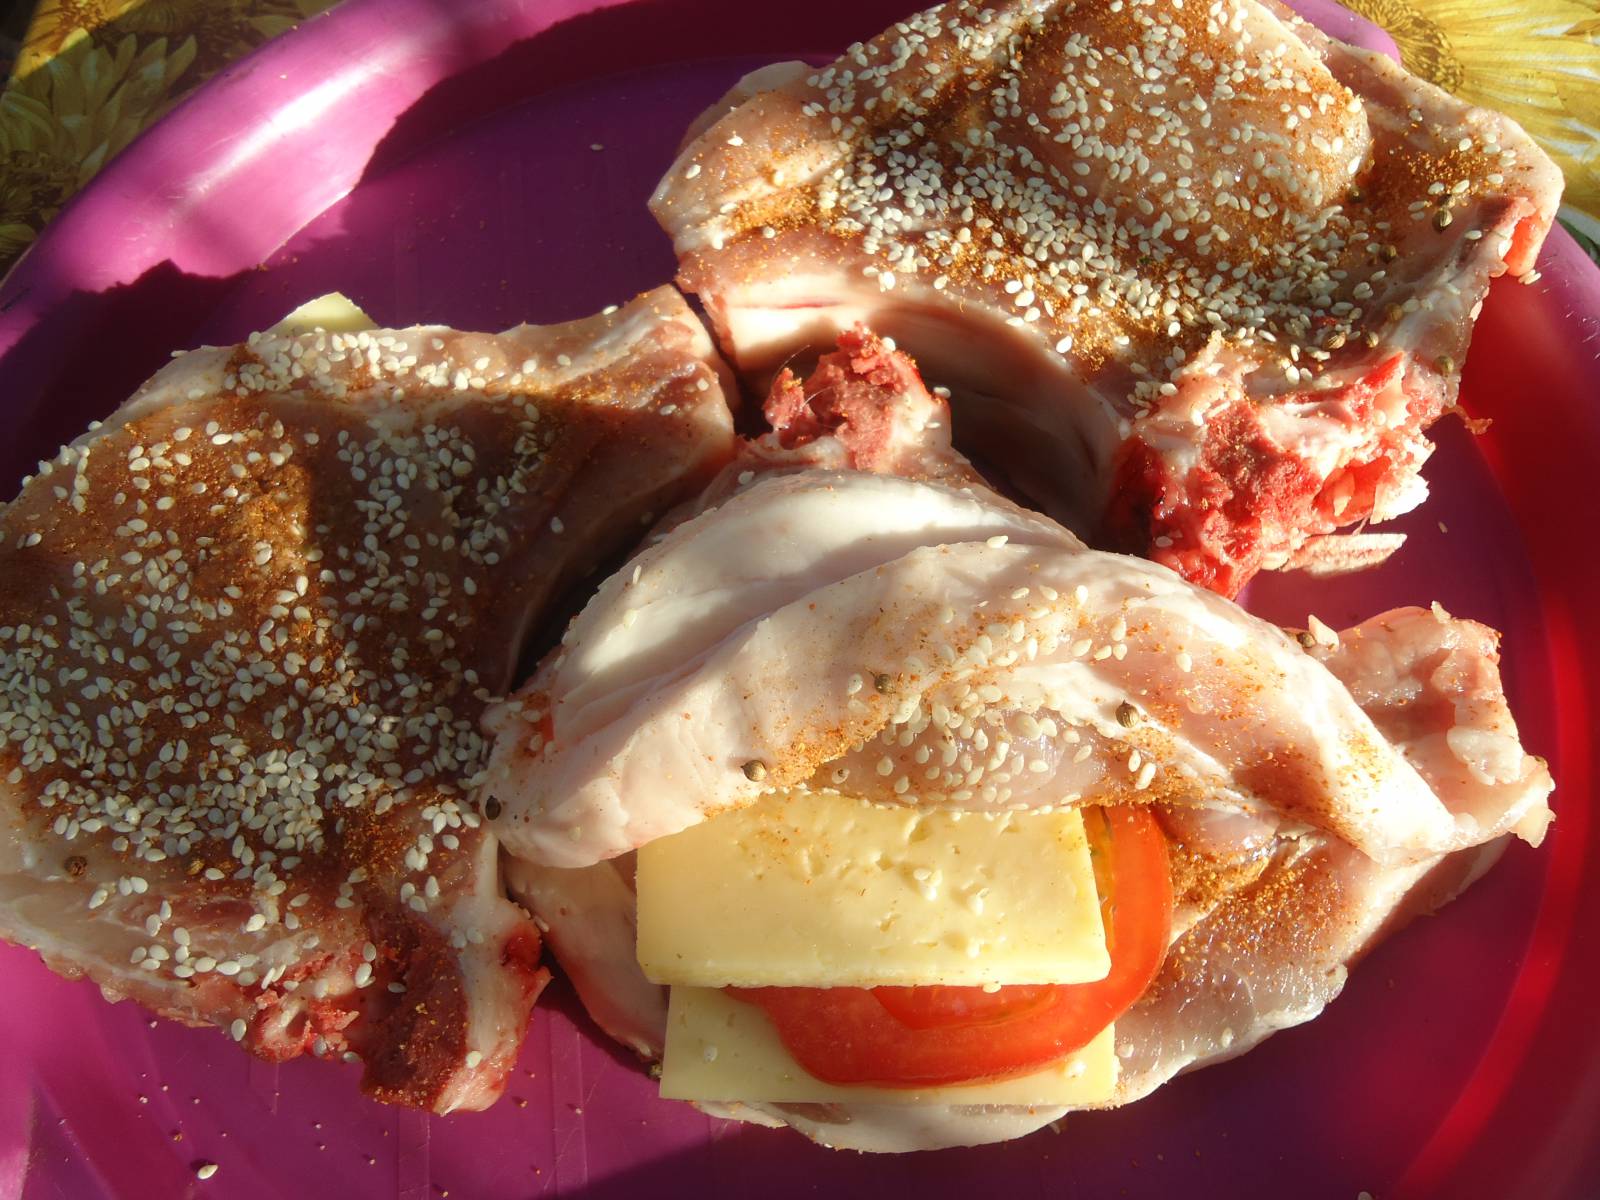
(655, 714)
(768, 546)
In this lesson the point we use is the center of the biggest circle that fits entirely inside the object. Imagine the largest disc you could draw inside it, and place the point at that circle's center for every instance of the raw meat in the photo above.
(247, 630)
(1198, 276)
(922, 641)
(1005, 662)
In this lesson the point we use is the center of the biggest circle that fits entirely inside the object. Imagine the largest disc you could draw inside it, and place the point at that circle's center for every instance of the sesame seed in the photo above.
(266, 685)
(1321, 633)
(1100, 212)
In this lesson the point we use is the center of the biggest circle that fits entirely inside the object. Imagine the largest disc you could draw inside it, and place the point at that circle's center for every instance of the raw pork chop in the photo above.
(247, 630)
(1317, 790)
(1199, 276)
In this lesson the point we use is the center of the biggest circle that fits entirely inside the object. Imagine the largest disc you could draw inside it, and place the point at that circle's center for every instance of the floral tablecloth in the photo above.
(88, 75)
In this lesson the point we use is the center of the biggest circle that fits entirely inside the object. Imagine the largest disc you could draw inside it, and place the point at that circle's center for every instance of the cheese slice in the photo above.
(805, 890)
(723, 1049)
(334, 312)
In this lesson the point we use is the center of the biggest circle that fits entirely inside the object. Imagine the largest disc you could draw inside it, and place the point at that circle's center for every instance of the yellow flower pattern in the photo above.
(92, 73)
(58, 24)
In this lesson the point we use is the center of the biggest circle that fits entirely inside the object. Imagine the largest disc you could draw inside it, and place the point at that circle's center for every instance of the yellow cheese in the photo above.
(335, 312)
(806, 890)
(723, 1049)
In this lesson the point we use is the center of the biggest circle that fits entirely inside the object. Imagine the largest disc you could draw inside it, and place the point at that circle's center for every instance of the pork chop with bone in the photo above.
(1199, 276)
(248, 626)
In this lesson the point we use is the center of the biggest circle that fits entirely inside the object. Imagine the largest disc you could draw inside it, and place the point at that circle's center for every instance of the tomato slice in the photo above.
(938, 1006)
(932, 1036)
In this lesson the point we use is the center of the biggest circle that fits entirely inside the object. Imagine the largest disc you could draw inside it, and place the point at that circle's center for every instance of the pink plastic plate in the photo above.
(483, 164)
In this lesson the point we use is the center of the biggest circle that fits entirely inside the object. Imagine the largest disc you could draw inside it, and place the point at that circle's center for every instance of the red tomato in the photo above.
(935, 1007)
(932, 1036)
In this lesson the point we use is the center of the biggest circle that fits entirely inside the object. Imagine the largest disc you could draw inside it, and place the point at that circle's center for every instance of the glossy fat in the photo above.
(906, 641)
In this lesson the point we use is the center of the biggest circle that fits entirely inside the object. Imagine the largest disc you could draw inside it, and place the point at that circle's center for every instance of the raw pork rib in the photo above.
(1199, 276)
(247, 630)
(925, 641)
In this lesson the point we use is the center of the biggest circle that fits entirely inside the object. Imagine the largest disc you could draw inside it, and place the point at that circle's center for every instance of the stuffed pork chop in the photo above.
(247, 628)
(1198, 275)
(880, 807)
